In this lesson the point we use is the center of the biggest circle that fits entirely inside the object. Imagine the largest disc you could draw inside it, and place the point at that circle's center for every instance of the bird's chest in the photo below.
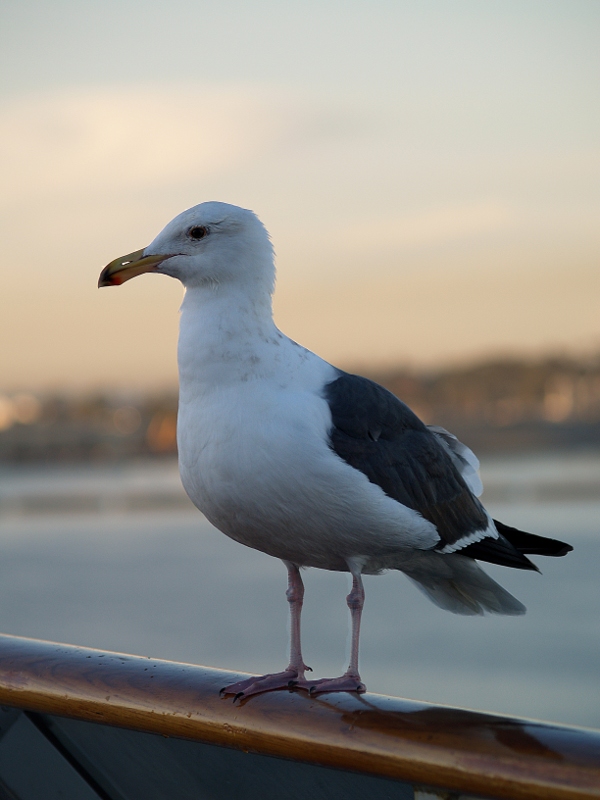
(244, 456)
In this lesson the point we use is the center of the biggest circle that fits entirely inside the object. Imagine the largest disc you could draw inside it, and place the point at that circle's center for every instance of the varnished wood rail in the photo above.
(459, 750)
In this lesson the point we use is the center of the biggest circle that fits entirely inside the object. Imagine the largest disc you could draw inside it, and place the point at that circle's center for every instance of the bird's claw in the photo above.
(260, 684)
(345, 683)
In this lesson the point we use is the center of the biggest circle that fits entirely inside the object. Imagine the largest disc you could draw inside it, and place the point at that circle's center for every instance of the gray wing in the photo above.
(379, 435)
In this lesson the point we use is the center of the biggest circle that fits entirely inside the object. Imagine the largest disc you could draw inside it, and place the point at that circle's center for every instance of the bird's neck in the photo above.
(227, 334)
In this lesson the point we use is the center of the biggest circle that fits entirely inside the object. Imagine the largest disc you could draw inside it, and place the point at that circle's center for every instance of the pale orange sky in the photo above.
(429, 173)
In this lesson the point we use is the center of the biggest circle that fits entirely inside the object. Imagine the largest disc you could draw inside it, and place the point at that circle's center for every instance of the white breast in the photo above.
(254, 458)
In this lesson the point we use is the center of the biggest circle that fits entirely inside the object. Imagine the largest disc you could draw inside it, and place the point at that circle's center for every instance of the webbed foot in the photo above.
(262, 683)
(345, 683)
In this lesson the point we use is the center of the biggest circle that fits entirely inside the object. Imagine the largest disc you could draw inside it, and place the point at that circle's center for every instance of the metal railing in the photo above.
(453, 749)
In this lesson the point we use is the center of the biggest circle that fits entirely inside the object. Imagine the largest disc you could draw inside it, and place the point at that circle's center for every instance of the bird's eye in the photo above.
(198, 232)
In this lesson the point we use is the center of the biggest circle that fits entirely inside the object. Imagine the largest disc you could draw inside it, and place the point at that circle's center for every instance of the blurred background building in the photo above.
(505, 406)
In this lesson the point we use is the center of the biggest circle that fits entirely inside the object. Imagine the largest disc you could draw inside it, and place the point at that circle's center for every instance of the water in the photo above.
(116, 558)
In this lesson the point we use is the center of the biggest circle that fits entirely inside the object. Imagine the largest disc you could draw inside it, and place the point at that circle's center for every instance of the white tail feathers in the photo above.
(458, 584)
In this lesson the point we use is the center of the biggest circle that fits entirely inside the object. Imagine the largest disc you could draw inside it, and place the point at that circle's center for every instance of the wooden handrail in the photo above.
(451, 748)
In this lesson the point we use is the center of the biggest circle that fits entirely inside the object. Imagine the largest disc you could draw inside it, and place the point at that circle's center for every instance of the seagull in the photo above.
(289, 455)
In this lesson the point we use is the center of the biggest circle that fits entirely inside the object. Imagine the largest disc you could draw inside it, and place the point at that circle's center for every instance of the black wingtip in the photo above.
(498, 551)
(566, 548)
(531, 543)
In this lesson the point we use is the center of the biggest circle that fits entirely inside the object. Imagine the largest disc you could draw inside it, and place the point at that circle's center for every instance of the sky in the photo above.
(429, 172)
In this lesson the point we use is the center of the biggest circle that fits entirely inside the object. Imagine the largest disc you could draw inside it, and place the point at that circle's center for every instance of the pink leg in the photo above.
(296, 668)
(350, 681)
(295, 597)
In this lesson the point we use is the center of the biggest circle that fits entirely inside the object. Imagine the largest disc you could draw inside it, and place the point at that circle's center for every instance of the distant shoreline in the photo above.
(502, 406)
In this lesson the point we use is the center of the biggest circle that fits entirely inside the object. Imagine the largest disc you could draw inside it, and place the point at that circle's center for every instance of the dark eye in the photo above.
(198, 232)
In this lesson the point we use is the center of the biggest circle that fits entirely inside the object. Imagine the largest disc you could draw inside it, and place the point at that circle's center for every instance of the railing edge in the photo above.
(456, 749)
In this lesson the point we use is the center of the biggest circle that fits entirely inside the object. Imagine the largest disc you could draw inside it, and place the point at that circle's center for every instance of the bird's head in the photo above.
(208, 245)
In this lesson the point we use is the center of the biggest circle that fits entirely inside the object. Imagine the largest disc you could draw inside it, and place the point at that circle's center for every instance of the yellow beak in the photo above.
(126, 267)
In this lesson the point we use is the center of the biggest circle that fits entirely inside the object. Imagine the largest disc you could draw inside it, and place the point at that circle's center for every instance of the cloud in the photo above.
(106, 138)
